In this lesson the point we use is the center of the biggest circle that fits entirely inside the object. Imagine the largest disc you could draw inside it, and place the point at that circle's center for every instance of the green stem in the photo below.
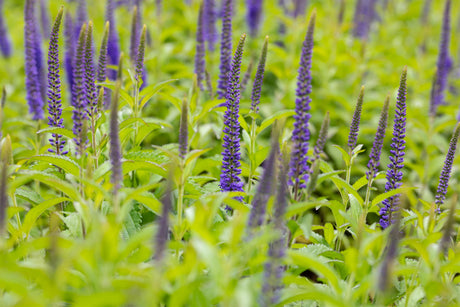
(252, 149)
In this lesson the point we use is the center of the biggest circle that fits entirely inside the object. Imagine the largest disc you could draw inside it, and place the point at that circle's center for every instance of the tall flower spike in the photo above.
(102, 64)
(322, 138)
(259, 79)
(225, 49)
(394, 174)
(140, 68)
(81, 17)
(79, 99)
(298, 173)
(273, 268)
(444, 64)
(115, 148)
(5, 42)
(374, 156)
(39, 57)
(231, 165)
(113, 48)
(135, 34)
(265, 188)
(44, 18)
(54, 88)
(446, 170)
(209, 26)
(33, 92)
(69, 56)
(354, 127)
(183, 130)
(161, 238)
(364, 16)
(90, 74)
(254, 16)
(200, 64)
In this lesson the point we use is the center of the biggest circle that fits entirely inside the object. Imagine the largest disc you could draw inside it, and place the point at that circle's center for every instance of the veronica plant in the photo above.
(102, 64)
(70, 46)
(298, 172)
(394, 174)
(113, 48)
(254, 16)
(225, 49)
(209, 24)
(231, 166)
(54, 89)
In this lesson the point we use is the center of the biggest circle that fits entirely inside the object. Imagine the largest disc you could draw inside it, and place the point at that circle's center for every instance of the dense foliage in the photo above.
(185, 163)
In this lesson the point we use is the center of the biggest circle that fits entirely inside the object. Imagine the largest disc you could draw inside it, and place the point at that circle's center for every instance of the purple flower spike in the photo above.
(54, 88)
(374, 156)
(265, 188)
(34, 96)
(5, 42)
(79, 99)
(298, 173)
(209, 26)
(225, 49)
(300, 6)
(394, 174)
(102, 64)
(446, 170)
(444, 64)
(90, 75)
(354, 127)
(322, 138)
(69, 56)
(254, 16)
(81, 17)
(259, 79)
(364, 16)
(140, 69)
(113, 48)
(115, 148)
(231, 165)
(200, 64)
(161, 237)
(135, 34)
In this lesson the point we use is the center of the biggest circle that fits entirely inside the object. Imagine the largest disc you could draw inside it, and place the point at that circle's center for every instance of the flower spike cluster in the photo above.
(374, 156)
(394, 174)
(102, 64)
(231, 165)
(298, 173)
(444, 64)
(33, 86)
(54, 88)
(446, 170)
(225, 49)
(354, 127)
(259, 79)
(90, 74)
(140, 69)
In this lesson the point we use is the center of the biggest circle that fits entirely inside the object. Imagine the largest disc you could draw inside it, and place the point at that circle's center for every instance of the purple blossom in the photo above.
(200, 64)
(183, 130)
(265, 188)
(273, 268)
(90, 75)
(354, 127)
(54, 88)
(446, 170)
(102, 64)
(231, 165)
(259, 78)
(81, 17)
(364, 16)
(374, 156)
(209, 24)
(113, 48)
(140, 69)
(135, 34)
(298, 173)
(444, 64)
(34, 97)
(69, 56)
(115, 147)
(79, 99)
(5, 42)
(254, 16)
(394, 174)
(225, 49)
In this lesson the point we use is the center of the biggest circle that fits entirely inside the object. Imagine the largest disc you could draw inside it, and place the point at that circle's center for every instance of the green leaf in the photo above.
(360, 183)
(345, 155)
(342, 184)
(271, 119)
(63, 162)
(388, 194)
(36, 211)
(123, 94)
(28, 194)
(151, 90)
(62, 131)
(129, 166)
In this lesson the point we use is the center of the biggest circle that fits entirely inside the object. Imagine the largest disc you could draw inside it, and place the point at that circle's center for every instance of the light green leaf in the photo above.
(67, 164)
(271, 119)
(36, 211)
